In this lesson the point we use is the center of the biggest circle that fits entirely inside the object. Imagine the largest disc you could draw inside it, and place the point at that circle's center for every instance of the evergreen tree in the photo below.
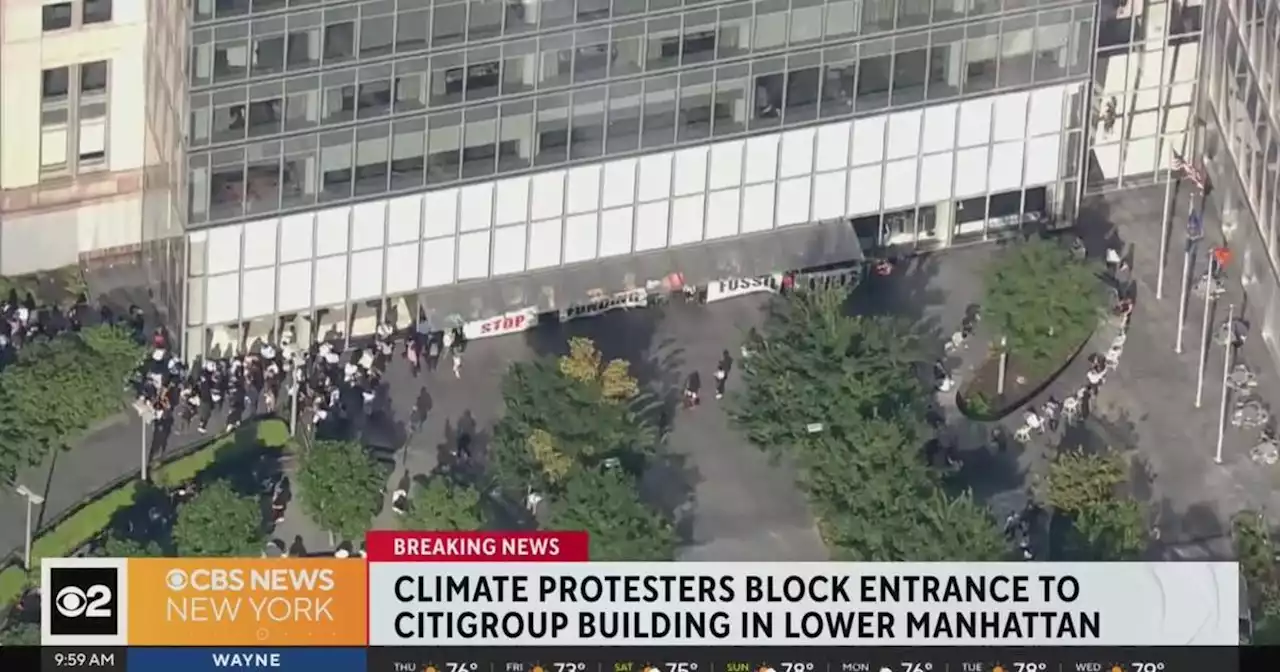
(220, 522)
(572, 435)
(341, 487)
(843, 398)
(1088, 490)
(440, 504)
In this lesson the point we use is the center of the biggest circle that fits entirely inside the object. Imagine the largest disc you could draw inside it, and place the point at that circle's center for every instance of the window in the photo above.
(73, 119)
(97, 11)
(56, 16)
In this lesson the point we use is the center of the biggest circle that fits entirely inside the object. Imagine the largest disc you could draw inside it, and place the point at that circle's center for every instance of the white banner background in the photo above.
(1141, 604)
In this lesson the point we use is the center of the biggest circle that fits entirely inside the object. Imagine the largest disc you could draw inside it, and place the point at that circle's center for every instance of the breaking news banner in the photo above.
(418, 596)
(531, 602)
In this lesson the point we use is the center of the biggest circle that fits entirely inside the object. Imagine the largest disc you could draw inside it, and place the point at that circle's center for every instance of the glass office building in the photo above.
(465, 159)
(1241, 144)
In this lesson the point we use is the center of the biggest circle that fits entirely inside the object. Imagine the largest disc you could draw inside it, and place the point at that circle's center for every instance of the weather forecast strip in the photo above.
(824, 659)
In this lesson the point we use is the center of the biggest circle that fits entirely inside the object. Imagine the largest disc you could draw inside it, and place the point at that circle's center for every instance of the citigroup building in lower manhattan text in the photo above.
(486, 162)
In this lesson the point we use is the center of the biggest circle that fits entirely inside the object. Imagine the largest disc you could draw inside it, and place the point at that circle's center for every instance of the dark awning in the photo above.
(784, 249)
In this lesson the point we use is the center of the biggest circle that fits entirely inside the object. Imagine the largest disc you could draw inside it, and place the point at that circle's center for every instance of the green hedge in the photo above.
(79, 528)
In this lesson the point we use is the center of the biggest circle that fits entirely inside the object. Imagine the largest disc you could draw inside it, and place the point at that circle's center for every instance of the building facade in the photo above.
(461, 160)
(92, 110)
(1241, 146)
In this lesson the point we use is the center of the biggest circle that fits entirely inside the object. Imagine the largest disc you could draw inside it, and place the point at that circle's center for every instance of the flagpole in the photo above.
(1165, 224)
(1209, 287)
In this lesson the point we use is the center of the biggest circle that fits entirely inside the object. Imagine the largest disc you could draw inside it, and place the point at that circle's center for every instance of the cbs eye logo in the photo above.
(84, 601)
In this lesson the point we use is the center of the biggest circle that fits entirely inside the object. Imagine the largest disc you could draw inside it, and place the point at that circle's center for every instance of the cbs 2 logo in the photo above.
(93, 602)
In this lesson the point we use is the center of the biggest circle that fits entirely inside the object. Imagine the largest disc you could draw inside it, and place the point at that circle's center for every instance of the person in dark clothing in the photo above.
(691, 387)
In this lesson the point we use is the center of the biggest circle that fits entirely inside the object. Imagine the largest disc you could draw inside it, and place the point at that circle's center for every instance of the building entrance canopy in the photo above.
(790, 248)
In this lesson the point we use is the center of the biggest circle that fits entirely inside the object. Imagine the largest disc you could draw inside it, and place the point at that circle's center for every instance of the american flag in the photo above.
(1177, 165)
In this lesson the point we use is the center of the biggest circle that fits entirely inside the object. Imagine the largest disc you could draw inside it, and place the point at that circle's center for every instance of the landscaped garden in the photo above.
(1041, 304)
(107, 522)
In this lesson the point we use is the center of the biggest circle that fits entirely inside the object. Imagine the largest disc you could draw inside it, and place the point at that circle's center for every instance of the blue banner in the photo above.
(1195, 226)
(251, 659)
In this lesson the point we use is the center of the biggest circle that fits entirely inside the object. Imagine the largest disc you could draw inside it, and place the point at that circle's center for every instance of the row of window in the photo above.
(1249, 130)
(65, 15)
(592, 122)
(339, 35)
(73, 119)
(957, 60)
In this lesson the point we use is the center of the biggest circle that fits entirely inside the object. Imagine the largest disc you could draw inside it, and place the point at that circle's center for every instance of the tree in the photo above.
(605, 503)
(219, 522)
(1044, 301)
(341, 487)
(115, 546)
(1257, 554)
(564, 413)
(843, 398)
(572, 433)
(1088, 489)
(440, 504)
(20, 634)
(56, 390)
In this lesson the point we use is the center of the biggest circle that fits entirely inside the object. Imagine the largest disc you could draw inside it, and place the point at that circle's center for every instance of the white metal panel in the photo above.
(619, 183)
(260, 243)
(833, 146)
(440, 213)
(900, 184)
(868, 140)
(793, 200)
(294, 287)
(581, 237)
(761, 159)
(975, 123)
(655, 176)
(1006, 167)
(939, 132)
(365, 279)
(1046, 112)
(726, 164)
(584, 189)
(513, 201)
(651, 225)
(1011, 116)
(331, 281)
(401, 272)
(222, 302)
(297, 237)
(509, 249)
(757, 208)
(723, 213)
(904, 134)
(332, 231)
(258, 297)
(864, 189)
(477, 207)
(797, 153)
(548, 195)
(437, 262)
(368, 225)
(1042, 160)
(686, 219)
(223, 249)
(828, 195)
(473, 255)
(971, 172)
(544, 243)
(404, 215)
(691, 171)
(935, 177)
(616, 232)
